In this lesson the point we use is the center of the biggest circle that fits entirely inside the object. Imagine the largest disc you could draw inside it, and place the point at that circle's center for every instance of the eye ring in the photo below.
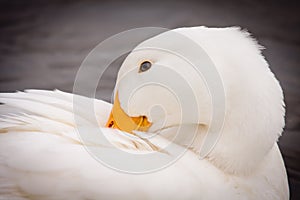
(144, 66)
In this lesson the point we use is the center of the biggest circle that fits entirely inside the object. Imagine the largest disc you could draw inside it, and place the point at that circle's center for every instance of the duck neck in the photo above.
(241, 146)
(248, 134)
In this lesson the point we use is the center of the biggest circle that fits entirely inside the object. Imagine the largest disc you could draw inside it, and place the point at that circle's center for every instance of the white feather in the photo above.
(43, 157)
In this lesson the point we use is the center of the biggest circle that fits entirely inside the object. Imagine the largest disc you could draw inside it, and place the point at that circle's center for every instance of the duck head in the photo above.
(158, 88)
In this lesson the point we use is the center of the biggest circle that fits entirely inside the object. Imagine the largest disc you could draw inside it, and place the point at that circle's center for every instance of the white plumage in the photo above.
(42, 156)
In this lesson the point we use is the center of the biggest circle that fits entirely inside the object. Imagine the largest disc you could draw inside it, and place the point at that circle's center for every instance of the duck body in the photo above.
(42, 156)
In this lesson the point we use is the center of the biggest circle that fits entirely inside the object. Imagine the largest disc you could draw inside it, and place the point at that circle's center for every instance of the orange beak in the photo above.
(120, 120)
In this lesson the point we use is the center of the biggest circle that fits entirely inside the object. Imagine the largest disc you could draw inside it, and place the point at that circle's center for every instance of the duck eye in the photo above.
(145, 66)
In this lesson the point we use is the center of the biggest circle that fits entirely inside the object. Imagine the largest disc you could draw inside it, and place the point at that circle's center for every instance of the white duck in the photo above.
(43, 157)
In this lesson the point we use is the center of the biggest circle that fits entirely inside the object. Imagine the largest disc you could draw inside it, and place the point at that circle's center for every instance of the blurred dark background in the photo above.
(42, 44)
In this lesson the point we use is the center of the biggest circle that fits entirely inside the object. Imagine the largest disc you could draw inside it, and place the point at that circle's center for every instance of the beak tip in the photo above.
(110, 123)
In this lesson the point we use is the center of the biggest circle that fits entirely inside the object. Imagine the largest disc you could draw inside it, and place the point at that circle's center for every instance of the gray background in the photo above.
(42, 44)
